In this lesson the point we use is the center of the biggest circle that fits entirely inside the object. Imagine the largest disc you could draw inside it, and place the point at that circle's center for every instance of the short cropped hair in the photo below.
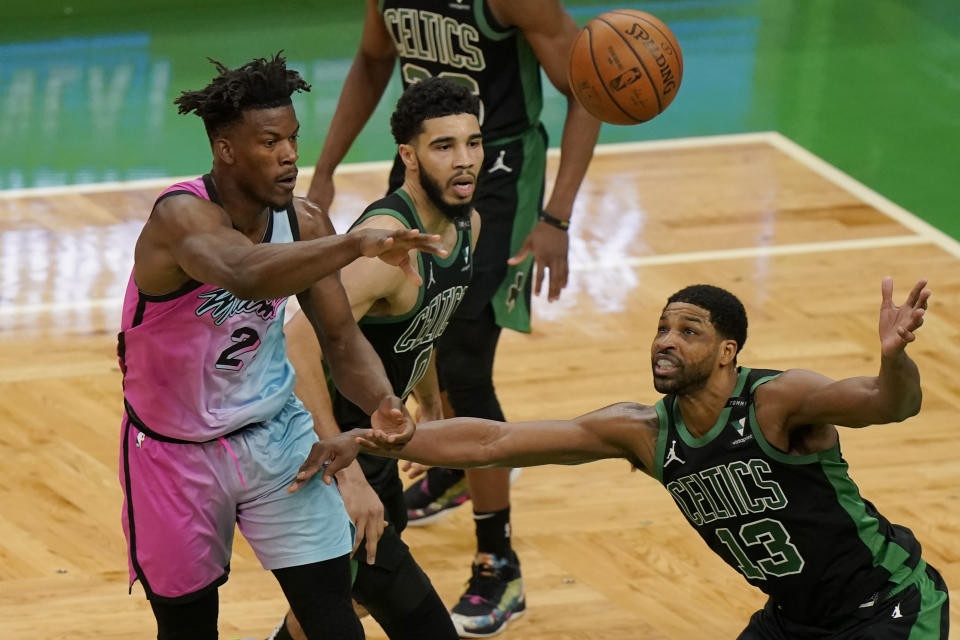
(426, 99)
(727, 314)
(258, 84)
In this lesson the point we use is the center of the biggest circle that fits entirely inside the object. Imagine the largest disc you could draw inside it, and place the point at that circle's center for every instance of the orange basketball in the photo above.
(625, 66)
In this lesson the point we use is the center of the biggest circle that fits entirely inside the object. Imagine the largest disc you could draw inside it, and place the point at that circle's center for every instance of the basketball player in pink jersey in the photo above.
(212, 433)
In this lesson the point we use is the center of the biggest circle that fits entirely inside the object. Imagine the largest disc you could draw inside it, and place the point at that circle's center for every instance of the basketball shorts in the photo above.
(918, 612)
(509, 199)
(182, 500)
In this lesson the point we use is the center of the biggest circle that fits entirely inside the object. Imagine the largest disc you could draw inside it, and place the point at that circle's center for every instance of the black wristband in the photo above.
(563, 225)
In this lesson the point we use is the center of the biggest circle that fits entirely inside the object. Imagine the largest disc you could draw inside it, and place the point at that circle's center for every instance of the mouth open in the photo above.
(664, 364)
(463, 185)
(288, 181)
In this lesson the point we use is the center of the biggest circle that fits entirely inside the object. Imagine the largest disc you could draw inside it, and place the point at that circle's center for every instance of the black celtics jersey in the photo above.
(462, 41)
(794, 526)
(405, 343)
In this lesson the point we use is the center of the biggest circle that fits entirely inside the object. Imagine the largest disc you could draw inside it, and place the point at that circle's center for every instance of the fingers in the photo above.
(374, 530)
(414, 469)
(916, 293)
(412, 274)
(367, 443)
(906, 336)
(426, 242)
(306, 472)
(886, 292)
(520, 256)
(558, 277)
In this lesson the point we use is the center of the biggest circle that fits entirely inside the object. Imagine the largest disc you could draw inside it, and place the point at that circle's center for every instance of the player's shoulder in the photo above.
(633, 413)
(391, 212)
(791, 382)
(186, 210)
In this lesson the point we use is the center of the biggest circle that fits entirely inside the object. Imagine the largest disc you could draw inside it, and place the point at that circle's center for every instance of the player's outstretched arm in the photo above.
(187, 237)
(893, 395)
(364, 86)
(624, 430)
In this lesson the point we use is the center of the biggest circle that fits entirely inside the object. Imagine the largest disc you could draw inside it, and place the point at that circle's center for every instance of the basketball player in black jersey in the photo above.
(436, 127)
(752, 459)
(495, 48)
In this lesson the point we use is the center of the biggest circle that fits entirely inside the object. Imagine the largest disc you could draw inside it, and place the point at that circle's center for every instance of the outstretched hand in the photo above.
(898, 325)
(393, 247)
(549, 247)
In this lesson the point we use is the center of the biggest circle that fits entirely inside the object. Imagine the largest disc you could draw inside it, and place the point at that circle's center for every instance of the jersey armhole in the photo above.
(664, 419)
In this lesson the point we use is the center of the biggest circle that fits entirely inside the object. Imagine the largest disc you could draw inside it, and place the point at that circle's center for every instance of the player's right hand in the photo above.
(327, 456)
(321, 190)
(364, 508)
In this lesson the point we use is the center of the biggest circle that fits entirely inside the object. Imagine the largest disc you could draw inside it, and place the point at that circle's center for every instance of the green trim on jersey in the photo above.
(763, 380)
(452, 256)
(932, 600)
(512, 311)
(886, 553)
(483, 24)
(692, 441)
(529, 68)
(657, 471)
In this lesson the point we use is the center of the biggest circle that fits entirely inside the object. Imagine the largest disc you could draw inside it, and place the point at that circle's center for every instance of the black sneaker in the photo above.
(440, 490)
(493, 596)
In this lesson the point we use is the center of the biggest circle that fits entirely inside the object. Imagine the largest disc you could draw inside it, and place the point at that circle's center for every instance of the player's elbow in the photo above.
(490, 446)
(910, 406)
(246, 285)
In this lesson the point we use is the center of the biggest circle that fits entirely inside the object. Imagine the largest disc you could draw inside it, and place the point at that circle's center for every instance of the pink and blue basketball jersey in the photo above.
(200, 363)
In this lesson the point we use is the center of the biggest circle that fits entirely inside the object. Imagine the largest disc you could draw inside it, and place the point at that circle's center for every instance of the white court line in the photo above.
(865, 193)
(641, 261)
(383, 165)
(60, 307)
(754, 252)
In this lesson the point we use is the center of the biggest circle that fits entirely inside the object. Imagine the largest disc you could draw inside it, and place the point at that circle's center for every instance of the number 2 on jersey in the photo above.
(246, 340)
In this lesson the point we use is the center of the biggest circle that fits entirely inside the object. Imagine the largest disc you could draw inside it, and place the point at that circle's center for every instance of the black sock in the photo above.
(493, 532)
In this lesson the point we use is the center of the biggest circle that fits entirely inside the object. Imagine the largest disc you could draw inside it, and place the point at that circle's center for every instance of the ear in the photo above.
(223, 150)
(409, 157)
(728, 351)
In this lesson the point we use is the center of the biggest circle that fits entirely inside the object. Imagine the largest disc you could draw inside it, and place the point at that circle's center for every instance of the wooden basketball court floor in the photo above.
(606, 554)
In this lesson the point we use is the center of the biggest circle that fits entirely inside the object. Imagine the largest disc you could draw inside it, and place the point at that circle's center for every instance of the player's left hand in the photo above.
(899, 324)
(549, 246)
(392, 424)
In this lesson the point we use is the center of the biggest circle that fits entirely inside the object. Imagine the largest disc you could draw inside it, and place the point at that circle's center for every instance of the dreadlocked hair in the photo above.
(258, 84)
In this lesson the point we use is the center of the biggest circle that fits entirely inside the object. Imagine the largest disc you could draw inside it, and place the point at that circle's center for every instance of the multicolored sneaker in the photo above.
(439, 491)
(493, 597)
